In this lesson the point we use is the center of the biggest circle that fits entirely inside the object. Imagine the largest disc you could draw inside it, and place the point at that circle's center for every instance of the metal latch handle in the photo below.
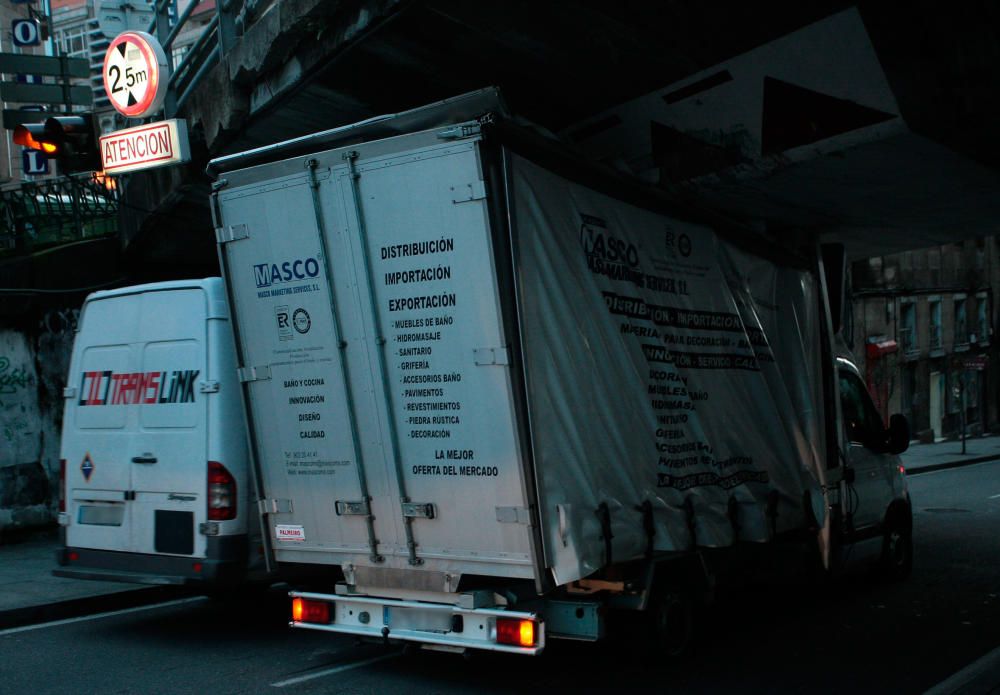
(145, 458)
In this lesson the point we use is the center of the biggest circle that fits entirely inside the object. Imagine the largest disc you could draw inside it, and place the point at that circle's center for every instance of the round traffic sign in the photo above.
(135, 72)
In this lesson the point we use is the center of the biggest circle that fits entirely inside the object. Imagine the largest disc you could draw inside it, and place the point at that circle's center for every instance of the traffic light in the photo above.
(70, 140)
(32, 135)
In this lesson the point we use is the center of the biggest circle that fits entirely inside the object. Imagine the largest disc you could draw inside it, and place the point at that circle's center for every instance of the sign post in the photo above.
(967, 363)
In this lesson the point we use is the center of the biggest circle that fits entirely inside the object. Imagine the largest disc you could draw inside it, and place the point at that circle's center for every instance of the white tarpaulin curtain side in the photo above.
(663, 366)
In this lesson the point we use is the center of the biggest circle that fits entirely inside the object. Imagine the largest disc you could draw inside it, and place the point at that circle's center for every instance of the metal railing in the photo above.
(908, 341)
(41, 214)
(935, 337)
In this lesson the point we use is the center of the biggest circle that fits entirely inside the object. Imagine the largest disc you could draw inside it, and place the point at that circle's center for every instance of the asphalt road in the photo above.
(860, 636)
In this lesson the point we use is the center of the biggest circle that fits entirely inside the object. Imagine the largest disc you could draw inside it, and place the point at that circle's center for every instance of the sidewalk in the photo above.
(30, 594)
(922, 458)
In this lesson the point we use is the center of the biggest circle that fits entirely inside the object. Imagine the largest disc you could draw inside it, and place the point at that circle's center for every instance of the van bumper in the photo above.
(225, 563)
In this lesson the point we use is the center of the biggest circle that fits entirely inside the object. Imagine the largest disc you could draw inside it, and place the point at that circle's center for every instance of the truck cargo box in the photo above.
(463, 355)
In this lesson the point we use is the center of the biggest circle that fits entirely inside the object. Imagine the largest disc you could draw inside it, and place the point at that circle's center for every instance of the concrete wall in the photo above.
(34, 360)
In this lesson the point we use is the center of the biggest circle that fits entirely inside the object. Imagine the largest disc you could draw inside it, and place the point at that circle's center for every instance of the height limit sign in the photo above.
(135, 74)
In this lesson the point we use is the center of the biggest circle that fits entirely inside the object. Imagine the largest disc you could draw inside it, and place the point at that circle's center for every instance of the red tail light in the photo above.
(520, 633)
(221, 493)
(62, 485)
(306, 611)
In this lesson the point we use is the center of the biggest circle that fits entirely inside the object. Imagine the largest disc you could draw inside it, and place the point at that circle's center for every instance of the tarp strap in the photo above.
(604, 515)
(733, 512)
(689, 517)
(648, 525)
(772, 511)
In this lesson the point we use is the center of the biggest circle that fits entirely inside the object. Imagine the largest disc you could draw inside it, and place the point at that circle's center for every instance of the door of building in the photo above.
(935, 402)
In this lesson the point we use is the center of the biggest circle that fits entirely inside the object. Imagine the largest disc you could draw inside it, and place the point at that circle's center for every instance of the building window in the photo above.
(177, 55)
(73, 42)
(935, 327)
(961, 322)
(908, 329)
(982, 320)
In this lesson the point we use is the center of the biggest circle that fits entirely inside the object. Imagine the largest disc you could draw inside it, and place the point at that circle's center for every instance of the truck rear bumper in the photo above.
(225, 563)
(433, 624)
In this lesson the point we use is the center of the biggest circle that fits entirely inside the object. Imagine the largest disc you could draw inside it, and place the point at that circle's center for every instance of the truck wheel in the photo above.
(673, 614)
(897, 548)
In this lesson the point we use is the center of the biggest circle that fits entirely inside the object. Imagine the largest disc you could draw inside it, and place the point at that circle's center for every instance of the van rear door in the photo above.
(136, 453)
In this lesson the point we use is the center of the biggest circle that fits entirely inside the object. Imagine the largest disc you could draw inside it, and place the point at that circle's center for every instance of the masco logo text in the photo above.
(608, 248)
(267, 274)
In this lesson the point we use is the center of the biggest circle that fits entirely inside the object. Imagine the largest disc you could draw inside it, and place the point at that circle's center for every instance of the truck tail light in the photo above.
(306, 611)
(221, 493)
(62, 485)
(516, 631)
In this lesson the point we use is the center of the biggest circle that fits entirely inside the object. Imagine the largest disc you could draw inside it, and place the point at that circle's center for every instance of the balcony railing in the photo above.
(934, 336)
(46, 213)
(908, 342)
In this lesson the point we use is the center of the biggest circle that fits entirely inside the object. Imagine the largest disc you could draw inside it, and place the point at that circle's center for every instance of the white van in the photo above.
(154, 471)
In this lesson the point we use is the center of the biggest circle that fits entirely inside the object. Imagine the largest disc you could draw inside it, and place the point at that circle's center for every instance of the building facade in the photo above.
(924, 328)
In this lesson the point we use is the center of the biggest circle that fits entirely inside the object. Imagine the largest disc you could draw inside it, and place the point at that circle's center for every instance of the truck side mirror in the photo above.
(899, 434)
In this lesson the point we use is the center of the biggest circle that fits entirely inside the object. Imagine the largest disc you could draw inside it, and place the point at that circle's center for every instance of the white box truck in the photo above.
(155, 474)
(496, 390)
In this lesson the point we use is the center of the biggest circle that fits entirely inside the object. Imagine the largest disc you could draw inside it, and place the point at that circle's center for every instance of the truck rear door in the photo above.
(376, 326)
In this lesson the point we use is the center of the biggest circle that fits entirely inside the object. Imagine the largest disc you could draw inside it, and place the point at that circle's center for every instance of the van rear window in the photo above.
(178, 368)
(97, 384)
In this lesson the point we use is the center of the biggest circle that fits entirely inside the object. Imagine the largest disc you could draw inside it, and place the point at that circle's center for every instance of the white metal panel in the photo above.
(427, 380)
(138, 358)
(95, 435)
(448, 391)
(172, 419)
(284, 306)
(227, 435)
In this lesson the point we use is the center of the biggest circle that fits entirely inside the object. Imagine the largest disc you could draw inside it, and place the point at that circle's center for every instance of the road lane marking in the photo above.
(97, 616)
(335, 669)
(993, 497)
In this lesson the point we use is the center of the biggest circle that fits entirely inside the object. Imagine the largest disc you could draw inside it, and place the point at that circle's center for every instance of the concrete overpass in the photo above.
(863, 123)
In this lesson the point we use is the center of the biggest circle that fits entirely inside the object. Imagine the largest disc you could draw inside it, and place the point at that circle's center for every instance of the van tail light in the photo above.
(307, 611)
(516, 631)
(62, 485)
(221, 493)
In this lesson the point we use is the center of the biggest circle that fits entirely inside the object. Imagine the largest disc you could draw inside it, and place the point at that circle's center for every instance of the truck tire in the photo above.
(672, 611)
(896, 562)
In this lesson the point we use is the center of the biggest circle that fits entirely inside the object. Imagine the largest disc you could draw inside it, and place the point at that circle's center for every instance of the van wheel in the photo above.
(673, 615)
(896, 562)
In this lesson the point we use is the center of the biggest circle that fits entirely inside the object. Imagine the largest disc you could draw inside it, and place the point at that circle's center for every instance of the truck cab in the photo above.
(876, 507)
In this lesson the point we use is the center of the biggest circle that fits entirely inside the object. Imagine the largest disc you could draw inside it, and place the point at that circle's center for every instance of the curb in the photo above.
(978, 678)
(950, 464)
(74, 608)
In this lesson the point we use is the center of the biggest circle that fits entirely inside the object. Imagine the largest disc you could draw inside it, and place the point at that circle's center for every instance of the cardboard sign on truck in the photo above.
(496, 390)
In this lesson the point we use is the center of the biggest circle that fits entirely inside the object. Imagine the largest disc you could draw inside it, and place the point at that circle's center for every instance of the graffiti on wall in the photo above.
(34, 361)
(13, 379)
